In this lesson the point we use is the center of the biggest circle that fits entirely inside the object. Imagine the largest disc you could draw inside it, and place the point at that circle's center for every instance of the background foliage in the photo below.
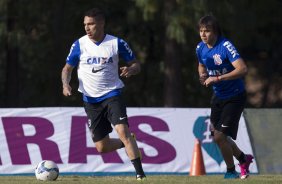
(36, 35)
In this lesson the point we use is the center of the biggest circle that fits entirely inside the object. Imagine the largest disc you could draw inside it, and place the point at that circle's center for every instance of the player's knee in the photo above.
(101, 148)
(125, 138)
(219, 137)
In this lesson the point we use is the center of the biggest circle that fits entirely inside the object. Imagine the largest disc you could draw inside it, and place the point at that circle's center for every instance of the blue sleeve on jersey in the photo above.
(74, 55)
(124, 51)
(231, 51)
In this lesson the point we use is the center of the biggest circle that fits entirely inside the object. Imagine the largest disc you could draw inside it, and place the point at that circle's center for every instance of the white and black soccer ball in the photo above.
(47, 170)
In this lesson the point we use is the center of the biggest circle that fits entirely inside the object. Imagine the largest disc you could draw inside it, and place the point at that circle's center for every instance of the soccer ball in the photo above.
(47, 170)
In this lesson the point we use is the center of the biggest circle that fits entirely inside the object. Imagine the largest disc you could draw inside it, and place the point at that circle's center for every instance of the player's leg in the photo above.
(108, 144)
(116, 114)
(128, 141)
(118, 117)
(237, 153)
(231, 114)
(131, 149)
(226, 150)
(100, 128)
(220, 138)
(244, 159)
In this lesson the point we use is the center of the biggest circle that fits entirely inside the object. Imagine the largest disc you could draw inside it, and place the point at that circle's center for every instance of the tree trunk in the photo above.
(172, 64)
(12, 50)
(55, 80)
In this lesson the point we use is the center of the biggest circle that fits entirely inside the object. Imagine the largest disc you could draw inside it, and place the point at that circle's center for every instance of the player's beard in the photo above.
(96, 36)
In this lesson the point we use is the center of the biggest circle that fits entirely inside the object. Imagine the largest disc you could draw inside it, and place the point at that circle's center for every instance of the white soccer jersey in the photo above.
(98, 64)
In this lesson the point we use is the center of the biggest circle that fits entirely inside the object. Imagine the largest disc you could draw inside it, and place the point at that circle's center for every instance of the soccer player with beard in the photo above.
(96, 56)
(221, 67)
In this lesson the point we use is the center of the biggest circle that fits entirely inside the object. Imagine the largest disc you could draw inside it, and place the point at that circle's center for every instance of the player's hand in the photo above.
(125, 71)
(67, 90)
(211, 80)
(202, 78)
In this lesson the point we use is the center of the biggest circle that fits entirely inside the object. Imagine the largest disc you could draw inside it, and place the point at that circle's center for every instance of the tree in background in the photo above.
(163, 35)
(12, 82)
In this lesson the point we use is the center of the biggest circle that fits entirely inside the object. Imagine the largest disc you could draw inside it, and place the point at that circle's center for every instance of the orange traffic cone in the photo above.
(197, 167)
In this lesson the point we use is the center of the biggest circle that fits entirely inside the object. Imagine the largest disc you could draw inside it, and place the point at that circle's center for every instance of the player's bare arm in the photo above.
(66, 78)
(240, 70)
(203, 75)
(133, 69)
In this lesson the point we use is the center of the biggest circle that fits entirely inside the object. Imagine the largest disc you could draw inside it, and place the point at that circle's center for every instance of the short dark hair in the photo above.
(95, 13)
(210, 21)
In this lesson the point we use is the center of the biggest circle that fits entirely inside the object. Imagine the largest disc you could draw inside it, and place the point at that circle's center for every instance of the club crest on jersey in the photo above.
(217, 60)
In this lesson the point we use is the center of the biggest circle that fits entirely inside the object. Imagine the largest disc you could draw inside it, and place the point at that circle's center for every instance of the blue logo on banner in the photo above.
(202, 131)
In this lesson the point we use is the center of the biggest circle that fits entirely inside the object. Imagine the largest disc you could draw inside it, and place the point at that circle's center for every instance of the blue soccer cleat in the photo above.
(231, 175)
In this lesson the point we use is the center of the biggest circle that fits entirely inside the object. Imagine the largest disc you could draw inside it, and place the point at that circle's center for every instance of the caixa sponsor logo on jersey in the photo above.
(99, 60)
(217, 72)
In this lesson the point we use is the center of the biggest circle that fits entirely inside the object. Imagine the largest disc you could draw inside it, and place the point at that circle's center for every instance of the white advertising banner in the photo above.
(165, 137)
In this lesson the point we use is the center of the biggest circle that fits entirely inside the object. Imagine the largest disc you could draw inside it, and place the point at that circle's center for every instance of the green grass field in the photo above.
(160, 179)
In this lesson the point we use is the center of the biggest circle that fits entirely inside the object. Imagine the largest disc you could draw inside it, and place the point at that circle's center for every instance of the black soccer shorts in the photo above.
(225, 114)
(101, 116)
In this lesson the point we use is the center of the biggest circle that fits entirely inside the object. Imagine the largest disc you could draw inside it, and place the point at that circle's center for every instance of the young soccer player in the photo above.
(221, 67)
